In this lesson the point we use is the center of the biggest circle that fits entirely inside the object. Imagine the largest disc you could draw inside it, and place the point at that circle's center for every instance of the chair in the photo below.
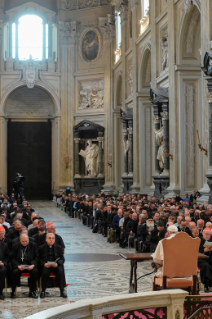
(179, 264)
(5, 287)
(27, 276)
(52, 275)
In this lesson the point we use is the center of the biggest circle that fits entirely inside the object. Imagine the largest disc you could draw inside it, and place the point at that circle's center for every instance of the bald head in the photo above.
(24, 240)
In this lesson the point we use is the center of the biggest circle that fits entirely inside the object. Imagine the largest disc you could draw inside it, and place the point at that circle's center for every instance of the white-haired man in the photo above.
(158, 255)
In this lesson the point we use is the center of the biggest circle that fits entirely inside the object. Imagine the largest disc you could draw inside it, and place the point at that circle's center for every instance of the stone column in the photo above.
(157, 127)
(165, 120)
(125, 134)
(76, 155)
(130, 152)
(100, 166)
(209, 172)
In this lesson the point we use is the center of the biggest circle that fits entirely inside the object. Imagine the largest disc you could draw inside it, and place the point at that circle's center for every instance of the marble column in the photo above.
(100, 166)
(125, 135)
(209, 172)
(157, 127)
(130, 152)
(76, 155)
(165, 120)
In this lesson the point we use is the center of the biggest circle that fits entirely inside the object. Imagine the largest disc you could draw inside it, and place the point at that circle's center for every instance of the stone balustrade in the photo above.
(172, 300)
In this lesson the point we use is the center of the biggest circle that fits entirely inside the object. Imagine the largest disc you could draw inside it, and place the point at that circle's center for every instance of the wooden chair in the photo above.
(179, 264)
(52, 275)
(27, 276)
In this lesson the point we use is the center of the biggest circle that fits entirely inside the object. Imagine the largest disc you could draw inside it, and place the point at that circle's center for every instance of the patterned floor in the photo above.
(87, 279)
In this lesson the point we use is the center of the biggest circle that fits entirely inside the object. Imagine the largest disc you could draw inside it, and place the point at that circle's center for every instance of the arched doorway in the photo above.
(29, 140)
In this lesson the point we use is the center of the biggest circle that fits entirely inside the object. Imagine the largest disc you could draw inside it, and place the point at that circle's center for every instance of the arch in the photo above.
(38, 84)
(189, 37)
(119, 91)
(144, 78)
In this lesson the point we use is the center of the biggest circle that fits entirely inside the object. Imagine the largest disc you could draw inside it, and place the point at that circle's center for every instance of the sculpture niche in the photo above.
(90, 155)
(89, 175)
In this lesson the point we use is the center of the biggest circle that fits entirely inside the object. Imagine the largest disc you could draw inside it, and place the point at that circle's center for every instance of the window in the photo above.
(30, 38)
(118, 30)
(145, 7)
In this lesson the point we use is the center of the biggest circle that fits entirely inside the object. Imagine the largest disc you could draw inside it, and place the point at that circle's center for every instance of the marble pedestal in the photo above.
(209, 181)
(88, 185)
(127, 182)
(161, 184)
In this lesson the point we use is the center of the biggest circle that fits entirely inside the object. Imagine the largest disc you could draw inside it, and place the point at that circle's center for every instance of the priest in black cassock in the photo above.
(4, 261)
(52, 260)
(25, 259)
(205, 265)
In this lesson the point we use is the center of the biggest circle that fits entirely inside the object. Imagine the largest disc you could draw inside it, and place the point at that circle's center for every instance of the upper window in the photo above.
(118, 30)
(30, 38)
(145, 7)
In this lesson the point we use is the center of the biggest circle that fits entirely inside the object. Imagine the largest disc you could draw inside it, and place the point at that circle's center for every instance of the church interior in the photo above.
(105, 159)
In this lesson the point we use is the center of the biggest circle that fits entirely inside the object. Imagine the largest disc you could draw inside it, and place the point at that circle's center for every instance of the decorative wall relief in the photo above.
(30, 70)
(190, 146)
(165, 50)
(68, 32)
(191, 36)
(130, 78)
(186, 5)
(147, 146)
(69, 5)
(91, 94)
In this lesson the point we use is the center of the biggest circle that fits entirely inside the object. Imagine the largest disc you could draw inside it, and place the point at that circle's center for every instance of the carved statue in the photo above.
(186, 4)
(126, 144)
(159, 141)
(130, 78)
(207, 68)
(165, 51)
(90, 155)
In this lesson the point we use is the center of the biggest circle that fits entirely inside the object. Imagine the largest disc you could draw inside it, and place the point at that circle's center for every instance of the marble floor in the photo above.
(88, 275)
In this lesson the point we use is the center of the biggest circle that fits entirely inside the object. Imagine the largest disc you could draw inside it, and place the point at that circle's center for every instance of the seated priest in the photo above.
(25, 260)
(205, 265)
(4, 261)
(52, 260)
(51, 229)
(158, 255)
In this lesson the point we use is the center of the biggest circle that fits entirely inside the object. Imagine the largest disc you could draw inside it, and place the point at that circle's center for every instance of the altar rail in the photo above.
(165, 304)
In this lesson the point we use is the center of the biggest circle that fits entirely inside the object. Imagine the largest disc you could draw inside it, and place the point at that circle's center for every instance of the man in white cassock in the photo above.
(158, 255)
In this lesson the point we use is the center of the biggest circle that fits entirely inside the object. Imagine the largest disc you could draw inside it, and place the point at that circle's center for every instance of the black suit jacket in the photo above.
(58, 240)
(4, 254)
(32, 254)
(43, 254)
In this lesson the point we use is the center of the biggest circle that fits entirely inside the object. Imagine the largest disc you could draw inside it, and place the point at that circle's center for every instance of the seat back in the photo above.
(180, 256)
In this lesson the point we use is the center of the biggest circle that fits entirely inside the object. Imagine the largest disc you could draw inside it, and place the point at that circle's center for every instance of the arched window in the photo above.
(118, 30)
(30, 38)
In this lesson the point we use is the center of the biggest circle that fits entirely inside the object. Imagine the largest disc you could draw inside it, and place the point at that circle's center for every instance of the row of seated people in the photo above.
(35, 249)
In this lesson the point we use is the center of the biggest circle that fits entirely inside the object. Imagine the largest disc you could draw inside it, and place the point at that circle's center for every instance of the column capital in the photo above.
(165, 115)
(209, 97)
(68, 32)
(100, 139)
(77, 140)
(156, 119)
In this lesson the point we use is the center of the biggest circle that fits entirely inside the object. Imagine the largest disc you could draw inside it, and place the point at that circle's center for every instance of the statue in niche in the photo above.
(90, 155)
(160, 144)
(165, 51)
(126, 144)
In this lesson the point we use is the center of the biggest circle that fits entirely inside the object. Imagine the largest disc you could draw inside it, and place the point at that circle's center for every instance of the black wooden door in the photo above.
(29, 153)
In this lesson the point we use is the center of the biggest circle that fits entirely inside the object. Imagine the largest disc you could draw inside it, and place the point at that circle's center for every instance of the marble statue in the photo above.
(90, 155)
(165, 51)
(126, 144)
(160, 144)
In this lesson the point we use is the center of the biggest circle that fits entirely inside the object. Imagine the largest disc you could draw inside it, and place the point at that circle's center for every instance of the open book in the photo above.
(207, 244)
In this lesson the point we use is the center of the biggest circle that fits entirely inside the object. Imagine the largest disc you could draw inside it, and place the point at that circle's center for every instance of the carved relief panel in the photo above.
(90, 94)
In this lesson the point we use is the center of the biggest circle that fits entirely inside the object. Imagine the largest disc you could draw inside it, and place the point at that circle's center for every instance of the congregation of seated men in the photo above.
(30, 246)
(143, 222)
